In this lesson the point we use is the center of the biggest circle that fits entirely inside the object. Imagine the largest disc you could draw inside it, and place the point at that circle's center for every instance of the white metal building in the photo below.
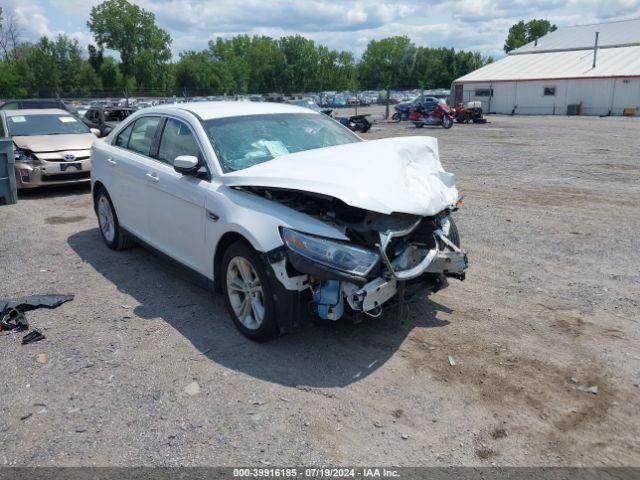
(562, 73)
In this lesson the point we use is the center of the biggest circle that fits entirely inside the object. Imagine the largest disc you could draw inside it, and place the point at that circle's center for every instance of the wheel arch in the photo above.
(225, 241)
(96, 188)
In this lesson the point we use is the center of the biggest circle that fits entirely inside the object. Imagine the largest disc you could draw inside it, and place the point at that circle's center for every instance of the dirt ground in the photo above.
(549, 309)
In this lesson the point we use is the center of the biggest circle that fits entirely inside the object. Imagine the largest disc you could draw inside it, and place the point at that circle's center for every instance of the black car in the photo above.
(105, 118)
(33, 103)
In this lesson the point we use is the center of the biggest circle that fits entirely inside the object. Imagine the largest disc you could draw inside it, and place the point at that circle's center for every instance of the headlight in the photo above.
(331, 253)
(24, 156)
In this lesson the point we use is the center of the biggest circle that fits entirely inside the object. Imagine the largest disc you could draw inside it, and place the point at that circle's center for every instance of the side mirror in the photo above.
(186, 164)
(96, 132)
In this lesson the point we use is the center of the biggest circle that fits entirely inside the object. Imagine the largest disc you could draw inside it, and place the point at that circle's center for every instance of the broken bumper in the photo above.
(380, 290)
(31, 175)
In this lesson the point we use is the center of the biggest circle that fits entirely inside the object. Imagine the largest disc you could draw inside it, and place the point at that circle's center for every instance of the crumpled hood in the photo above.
(401, 175)
(55, 143)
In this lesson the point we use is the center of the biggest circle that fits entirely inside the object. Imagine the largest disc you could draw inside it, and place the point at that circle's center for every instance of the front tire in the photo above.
(447, 122)
(110, 231)
(454, 235)
(248, 292)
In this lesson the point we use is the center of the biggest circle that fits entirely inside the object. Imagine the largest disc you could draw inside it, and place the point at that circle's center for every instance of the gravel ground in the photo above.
(145, 368)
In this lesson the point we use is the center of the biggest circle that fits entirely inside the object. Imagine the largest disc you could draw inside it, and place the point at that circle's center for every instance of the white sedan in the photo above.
(285, 211)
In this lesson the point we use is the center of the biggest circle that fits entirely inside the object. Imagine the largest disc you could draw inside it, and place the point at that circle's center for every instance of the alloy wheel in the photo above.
(105, 218)
(245, 293)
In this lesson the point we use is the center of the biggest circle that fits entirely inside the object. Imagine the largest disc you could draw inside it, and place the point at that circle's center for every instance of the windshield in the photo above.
(241, 142)
(27, 125)
(310, 104)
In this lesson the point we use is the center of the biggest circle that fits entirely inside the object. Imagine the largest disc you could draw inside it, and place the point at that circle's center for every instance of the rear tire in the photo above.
(248, 292)
(114, 236)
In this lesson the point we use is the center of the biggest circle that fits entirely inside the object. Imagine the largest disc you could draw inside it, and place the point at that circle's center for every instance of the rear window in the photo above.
(11, 106)
(42, 104)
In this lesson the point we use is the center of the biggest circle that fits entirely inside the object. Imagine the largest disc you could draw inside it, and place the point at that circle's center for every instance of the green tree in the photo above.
(301, 63)
(387, 63)
(132, 31)
(522, 33)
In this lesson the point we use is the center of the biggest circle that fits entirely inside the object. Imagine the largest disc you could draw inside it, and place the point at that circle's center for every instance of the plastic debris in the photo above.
(452, 362)
(13, 320)
(24, 304)
(31, 337)
(12, 313)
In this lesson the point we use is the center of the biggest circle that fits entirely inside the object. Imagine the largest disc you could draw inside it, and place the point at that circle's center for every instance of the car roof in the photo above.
(211, 110)
(36, 111)
(31, 100)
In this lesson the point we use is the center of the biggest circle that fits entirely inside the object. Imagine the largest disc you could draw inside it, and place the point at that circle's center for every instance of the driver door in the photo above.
(177, 202)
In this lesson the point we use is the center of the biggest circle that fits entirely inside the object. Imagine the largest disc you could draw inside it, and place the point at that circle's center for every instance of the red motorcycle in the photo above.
(442, 115)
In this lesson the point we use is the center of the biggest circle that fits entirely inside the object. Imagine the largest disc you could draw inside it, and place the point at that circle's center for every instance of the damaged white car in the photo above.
(284, 210)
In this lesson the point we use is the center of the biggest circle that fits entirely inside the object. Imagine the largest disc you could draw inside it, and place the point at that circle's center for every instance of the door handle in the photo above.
(153, 177)
(111, 161)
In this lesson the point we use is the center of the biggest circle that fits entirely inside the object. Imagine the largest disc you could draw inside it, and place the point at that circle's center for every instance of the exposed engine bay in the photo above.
(413, 254)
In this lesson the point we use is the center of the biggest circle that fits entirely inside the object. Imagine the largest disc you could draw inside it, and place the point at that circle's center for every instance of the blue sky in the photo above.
(343, 24)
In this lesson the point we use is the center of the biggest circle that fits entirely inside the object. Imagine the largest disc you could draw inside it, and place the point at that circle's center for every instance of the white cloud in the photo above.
(343, 24)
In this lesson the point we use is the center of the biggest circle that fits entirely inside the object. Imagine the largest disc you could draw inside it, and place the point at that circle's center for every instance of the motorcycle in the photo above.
(471, 112)
(402, 111)
(356, 123)
(442, 115)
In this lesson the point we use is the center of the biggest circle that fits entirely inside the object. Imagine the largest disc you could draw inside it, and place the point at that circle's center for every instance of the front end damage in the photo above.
(388, 258)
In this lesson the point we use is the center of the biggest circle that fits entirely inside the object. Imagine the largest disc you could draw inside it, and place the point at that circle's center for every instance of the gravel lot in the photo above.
(548, 310)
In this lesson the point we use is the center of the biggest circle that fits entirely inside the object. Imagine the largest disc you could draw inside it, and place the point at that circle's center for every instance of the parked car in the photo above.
(283, 210)
(105, 118)
(402, 110)
(33, 103)
(51, 146)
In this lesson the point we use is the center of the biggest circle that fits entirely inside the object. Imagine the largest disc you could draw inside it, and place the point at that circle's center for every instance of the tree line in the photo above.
(242, 64)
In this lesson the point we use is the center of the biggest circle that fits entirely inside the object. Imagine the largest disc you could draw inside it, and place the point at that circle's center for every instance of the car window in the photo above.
(177, 139)
(142, 135)
(2, 128)
(42, 104)
(123, 138)
(116, 115)
(244, 141)
(11, 106)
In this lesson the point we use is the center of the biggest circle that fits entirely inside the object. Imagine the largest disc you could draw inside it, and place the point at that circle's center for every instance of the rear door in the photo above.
(177, 202)
(129, 161)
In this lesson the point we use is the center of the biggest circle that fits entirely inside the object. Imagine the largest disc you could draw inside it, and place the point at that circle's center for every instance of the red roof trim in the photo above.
(546, 79)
